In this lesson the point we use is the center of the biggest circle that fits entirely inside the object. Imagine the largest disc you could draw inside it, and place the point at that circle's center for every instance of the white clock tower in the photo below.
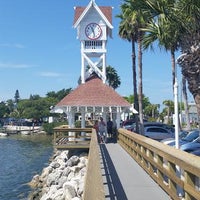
(94, 25)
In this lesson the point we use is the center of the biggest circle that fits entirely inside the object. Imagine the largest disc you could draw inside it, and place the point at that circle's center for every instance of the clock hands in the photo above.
(93, 31)
(92, 28)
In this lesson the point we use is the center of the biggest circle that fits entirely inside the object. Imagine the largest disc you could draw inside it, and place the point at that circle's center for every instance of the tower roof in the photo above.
(104, 11)
(94, 93)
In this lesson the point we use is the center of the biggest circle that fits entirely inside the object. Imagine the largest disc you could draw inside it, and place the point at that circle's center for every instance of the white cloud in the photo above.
(14, 65)
(15, 45)
(50, 74)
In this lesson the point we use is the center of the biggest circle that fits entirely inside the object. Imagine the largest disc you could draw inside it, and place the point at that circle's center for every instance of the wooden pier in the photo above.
(72, 138)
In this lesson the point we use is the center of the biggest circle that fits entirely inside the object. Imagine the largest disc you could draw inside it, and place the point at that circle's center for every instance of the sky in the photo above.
(39, 52)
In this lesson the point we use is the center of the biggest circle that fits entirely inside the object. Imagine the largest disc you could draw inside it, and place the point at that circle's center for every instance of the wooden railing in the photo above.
(94, 188)
(84, 138)
(176, 171)
(69, 138)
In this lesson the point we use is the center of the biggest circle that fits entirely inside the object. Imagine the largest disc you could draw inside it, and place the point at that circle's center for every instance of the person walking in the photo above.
(102, 130)
(110, 128)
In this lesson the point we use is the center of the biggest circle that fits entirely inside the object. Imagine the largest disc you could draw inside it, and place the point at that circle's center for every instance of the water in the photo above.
(21, 157)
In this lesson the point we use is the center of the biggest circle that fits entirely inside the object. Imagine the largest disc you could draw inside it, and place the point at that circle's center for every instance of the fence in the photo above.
(176, 171)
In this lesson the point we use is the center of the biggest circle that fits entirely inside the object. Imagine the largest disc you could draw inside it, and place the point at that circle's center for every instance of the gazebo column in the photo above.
(105, 120)
(104, 117)
(118, 119)
(83, 119)
(71, 121)
(82, 123)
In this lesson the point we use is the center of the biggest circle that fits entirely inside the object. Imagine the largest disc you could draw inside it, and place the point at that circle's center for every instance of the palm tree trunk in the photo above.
(135, 83)
(185, 99)
(140, 86)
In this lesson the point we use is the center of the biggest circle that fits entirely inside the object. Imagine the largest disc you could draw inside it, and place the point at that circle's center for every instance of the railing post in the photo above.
(189, 182)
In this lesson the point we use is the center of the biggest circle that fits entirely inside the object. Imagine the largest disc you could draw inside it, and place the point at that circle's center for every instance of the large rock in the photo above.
(69, 191)
(63, 179)
(74, 160)
(54, 177)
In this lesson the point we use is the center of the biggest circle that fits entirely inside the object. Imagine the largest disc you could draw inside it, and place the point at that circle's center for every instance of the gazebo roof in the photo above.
(94, 93)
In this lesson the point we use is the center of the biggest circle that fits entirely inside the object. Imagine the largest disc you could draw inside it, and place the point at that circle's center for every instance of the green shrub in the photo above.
(48, 127)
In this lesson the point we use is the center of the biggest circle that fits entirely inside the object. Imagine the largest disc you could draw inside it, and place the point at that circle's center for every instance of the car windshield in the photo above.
(158, 124)
(156, 129)
(128, 123)
(191, 136)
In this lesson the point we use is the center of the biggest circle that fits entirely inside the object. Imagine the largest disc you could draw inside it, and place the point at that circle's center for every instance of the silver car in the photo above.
(158, 133)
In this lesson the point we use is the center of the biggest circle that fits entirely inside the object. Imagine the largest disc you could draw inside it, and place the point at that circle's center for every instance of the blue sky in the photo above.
(39, 51)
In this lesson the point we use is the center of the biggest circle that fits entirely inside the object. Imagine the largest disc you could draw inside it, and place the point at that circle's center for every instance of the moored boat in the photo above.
(3, 134)
(25, 132)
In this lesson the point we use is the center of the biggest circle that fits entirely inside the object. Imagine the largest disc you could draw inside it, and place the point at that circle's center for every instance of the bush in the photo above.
(48, 127)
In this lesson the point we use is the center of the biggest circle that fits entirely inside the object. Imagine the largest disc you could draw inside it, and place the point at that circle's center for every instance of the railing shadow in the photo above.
(115, 188)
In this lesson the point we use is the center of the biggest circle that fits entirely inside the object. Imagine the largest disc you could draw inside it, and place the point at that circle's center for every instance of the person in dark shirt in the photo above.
(110, 128)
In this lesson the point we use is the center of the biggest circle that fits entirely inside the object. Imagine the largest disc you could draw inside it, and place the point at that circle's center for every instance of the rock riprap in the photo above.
(62, 179)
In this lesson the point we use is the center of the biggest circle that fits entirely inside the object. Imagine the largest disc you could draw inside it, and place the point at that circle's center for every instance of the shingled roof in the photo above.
(93, 93)
(107, 11)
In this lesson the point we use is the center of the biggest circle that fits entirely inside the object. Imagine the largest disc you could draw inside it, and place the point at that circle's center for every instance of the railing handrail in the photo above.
(161, 162)
(69, 138)
(94, 188)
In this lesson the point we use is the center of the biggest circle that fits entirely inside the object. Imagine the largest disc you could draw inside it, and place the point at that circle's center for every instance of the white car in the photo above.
(158, 133)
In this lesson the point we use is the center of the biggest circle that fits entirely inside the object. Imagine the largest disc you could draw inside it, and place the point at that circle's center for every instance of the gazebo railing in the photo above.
(68, 138)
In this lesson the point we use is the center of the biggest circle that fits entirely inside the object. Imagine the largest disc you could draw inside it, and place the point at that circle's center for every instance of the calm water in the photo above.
(21, 157)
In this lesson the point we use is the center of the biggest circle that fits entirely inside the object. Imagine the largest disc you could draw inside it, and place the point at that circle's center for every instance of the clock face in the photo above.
(93, 31)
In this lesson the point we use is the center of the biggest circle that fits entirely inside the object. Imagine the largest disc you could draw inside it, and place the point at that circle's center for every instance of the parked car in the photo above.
(159, 124)
(182, 134)
(192, 135)
(157, 133)
(196, 152)
(191, 146)
(129, 124)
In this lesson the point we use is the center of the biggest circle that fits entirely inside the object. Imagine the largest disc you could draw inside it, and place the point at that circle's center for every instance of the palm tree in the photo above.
(170, 107)
(133, 19)
(127, 31)
(177, 23)
(189, 12)
(152, 110)
(163, 28)
(112, 77)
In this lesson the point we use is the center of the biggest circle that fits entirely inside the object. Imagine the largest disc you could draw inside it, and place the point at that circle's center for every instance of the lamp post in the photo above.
(176, 114)
(176, 111)
(178, 170)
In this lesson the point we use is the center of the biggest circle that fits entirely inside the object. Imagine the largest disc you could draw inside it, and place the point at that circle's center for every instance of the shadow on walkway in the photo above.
(113, 187)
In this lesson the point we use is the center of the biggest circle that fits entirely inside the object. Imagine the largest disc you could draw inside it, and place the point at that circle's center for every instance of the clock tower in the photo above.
(94, 25)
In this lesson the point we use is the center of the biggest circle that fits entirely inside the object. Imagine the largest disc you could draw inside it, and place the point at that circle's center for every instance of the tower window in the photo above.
(93, 44)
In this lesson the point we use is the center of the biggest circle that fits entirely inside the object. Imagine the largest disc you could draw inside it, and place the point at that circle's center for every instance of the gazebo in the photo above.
(93, 96)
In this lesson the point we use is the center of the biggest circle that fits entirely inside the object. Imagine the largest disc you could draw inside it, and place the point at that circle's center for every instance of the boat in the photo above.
(25, 132)
(3, 134)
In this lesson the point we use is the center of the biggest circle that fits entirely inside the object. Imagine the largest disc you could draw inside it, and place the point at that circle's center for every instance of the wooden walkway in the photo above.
(124, 179)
